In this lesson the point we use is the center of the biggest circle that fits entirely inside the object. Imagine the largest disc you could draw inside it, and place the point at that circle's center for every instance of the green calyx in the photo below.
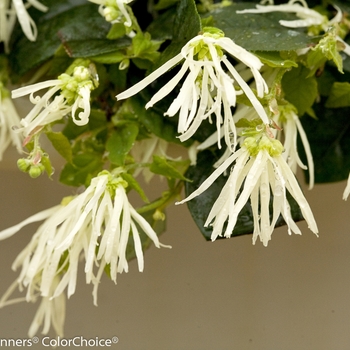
(264, 143)
(114, 181)
(201, 50)
(71, 84)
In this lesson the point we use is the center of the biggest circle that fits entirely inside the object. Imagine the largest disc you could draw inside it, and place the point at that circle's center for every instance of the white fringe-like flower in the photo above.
(291, 127)
(50, 311)
(95, 226)
(259, 170)
(8, 118)
(210, 87)
(12, 9)
(114, 11)
(347, 189)
(65, 95)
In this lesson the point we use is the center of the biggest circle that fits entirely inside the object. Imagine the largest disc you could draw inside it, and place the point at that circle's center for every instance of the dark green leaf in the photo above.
(200, 206)
(329, 138)
(84, 168)
(295, 81)
(339, 96)
(187, 25)
(120, 142)
(259, 32)
(81, 30)
(274, 59)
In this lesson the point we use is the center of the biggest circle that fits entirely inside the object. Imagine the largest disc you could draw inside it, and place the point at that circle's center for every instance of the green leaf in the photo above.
(163, 4)
(109, 58)
(82, 24)
(329, 138)
(45, 161)
(154, 122)
(200, 206)
(300, 89)
(259, 32)
(85, 166)
(121, 141)
(168, 168)
(339, 95)
(161, 28)
(274, 59)
(61, 144)
(117, 31)
(326, 49)
(187, 25)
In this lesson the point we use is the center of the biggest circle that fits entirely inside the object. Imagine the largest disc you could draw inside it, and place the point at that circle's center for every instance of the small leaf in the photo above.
(339, 96)
(300, 89)
(61, 144)
(168, 168)
(121, 141)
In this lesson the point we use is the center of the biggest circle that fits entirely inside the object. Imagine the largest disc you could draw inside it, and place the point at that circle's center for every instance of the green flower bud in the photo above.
(35, 171)
(23, 164)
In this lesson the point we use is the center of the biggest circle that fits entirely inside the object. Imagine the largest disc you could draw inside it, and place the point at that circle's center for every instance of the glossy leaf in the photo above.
(329, 138)
(121, 141)
(259, 32)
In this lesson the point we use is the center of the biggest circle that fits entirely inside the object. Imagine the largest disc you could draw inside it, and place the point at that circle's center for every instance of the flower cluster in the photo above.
(67, 94)
(96, 226)
(211, 86)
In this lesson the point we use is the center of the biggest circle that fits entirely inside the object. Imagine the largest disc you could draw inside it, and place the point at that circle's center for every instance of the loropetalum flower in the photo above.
(114, 11)
(347, 189)
(9, 11)
(211, 84)
(8, 118)
(257, 171)
(66, 95)
(291, 126)
(95, 226)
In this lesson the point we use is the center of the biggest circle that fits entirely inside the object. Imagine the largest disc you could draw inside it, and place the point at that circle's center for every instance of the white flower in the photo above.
(95, 226)
(52, 106)
(308, 17)
(9, 11)
(291, 126)
(50, 311)
(347, 190)
(210, 86)
(114, 11)
(258, 170)
(8, 118)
